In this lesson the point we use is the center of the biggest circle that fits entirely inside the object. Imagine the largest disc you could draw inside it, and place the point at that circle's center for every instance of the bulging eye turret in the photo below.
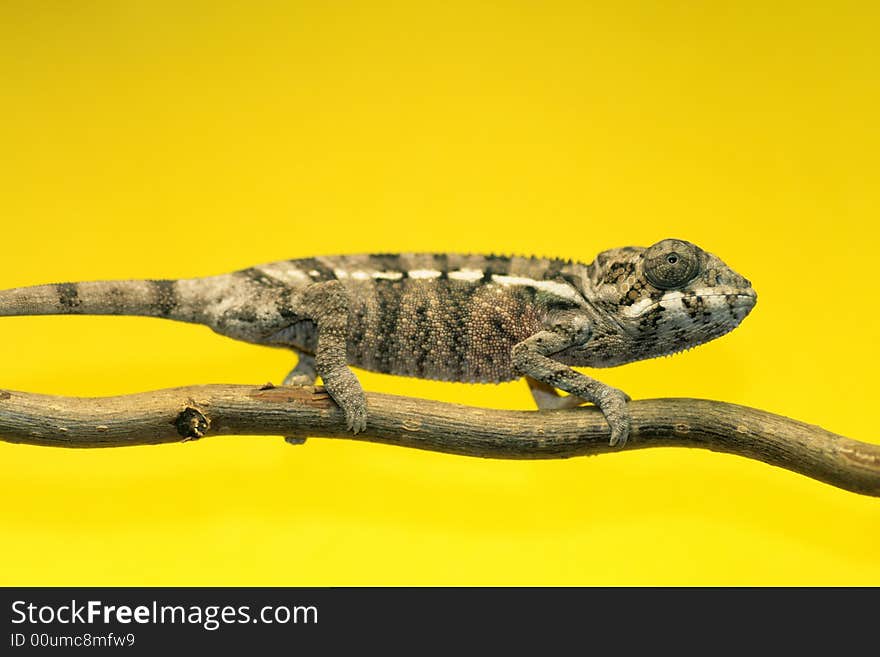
(671, 264)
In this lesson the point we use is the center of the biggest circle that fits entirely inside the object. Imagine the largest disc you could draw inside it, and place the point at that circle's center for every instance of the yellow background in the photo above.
(176, 139)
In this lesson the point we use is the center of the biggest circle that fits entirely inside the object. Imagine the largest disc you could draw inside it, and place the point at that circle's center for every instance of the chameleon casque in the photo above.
(473, 318)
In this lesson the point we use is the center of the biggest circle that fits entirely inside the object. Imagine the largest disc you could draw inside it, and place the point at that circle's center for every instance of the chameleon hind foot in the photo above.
(302, 375)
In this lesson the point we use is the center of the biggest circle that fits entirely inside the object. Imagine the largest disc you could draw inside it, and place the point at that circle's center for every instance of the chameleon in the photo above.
(445, 316)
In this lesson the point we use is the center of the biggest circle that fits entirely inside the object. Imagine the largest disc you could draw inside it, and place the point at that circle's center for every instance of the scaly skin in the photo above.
(443, 316)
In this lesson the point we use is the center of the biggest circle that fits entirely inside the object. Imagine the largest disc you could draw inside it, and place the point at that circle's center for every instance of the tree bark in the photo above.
(180, 414)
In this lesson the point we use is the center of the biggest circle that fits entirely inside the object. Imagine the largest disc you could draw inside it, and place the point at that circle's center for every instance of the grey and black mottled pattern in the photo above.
(453, 317)
(436, 328)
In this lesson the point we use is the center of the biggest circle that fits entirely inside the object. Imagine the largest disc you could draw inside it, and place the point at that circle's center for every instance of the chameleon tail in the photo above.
(152, 298)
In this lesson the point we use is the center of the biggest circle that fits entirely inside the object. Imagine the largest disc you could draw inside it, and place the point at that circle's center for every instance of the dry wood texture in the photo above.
(188, 413)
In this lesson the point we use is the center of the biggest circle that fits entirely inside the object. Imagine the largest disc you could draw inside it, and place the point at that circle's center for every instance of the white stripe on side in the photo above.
(469, 275)
(561, 290)
(360, 275)
(423, 273)
(284, 272)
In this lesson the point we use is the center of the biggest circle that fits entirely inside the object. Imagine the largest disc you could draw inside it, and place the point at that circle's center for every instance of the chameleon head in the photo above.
(664, 299)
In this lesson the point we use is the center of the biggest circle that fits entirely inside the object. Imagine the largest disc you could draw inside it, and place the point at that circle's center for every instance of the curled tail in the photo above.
(152, 298)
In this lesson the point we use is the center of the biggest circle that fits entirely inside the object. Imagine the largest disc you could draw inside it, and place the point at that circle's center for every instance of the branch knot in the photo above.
(192, 424)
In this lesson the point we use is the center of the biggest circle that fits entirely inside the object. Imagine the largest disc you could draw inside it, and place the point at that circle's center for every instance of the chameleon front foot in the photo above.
(612, 403)
(613, 407)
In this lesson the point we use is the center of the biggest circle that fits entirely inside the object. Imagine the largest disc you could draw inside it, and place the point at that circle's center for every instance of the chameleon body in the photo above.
(452, 317)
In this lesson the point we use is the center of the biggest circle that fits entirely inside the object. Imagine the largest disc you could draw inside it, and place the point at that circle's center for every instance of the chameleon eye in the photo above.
(671, 264)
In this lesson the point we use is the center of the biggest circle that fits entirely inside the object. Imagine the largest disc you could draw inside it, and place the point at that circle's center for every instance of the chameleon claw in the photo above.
(619, 432)
(614, 409)
(356, 421)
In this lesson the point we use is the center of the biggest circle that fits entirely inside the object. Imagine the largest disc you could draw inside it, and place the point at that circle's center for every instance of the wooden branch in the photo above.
(180, 414)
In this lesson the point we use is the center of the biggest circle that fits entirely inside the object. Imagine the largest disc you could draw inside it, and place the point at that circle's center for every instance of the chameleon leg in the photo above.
(531, 357)
(303, 374)
(547, 398)
(326, 304)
